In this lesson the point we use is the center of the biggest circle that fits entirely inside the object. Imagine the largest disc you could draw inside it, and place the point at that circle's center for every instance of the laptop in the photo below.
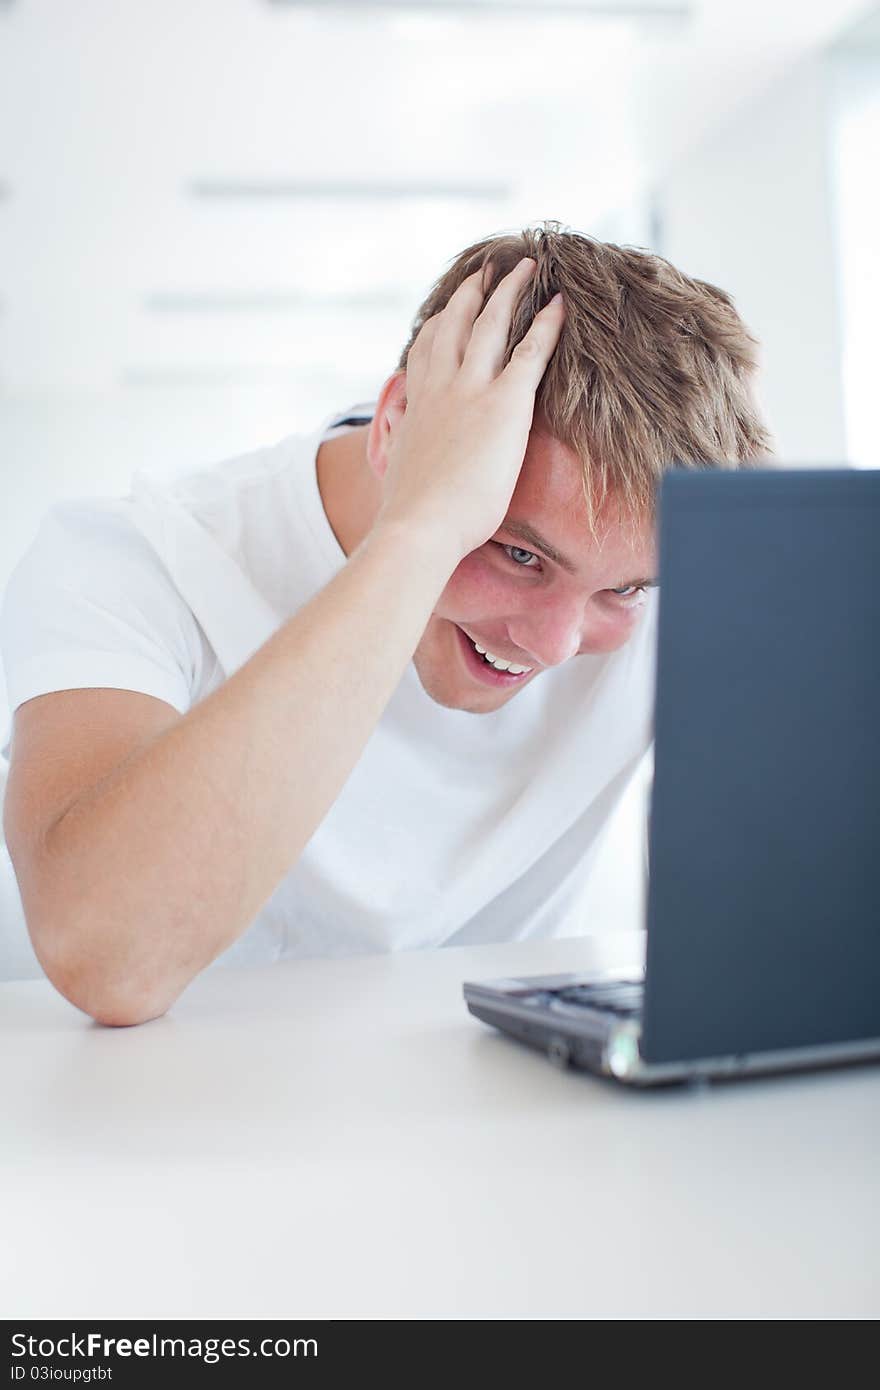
(763, 910)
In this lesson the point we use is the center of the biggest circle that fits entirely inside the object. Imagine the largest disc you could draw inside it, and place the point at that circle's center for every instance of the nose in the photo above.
(551, 631)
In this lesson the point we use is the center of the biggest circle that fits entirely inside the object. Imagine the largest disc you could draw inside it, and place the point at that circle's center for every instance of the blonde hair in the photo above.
(652, 371)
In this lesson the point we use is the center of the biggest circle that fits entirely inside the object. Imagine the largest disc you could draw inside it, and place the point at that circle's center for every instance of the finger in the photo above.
(456, 322)
(529, 358)
(488, 341)
(418, 358)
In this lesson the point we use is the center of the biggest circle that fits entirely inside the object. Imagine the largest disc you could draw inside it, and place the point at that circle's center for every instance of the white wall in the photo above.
(751, 210)
(856, 74)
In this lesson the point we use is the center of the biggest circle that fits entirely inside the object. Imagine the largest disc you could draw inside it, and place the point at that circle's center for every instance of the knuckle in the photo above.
(527, 350)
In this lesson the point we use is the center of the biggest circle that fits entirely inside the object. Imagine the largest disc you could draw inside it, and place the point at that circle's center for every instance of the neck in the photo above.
(349, 490)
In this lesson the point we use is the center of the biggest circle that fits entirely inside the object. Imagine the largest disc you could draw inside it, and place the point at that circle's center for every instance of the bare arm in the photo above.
(159, 867)
(149, 872)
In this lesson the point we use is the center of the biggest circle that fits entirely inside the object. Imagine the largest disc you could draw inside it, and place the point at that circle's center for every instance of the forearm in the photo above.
(161, 866)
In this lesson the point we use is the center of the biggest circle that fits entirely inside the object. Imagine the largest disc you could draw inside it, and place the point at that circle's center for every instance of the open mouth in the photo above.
(482, 665)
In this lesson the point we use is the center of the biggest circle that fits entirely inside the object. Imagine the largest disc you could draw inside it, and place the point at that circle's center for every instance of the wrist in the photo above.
(434, 548)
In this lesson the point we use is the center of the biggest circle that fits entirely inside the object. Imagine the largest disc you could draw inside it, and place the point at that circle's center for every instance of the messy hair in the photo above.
(653, 369)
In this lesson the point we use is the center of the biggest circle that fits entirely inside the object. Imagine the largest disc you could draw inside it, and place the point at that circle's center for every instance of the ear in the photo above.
(390, 410)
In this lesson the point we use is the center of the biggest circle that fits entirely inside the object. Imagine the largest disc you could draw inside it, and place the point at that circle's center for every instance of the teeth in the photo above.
(500, 664)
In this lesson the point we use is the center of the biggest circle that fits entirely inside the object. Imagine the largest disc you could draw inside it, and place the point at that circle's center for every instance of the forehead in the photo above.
(551, 476)
(549, 496)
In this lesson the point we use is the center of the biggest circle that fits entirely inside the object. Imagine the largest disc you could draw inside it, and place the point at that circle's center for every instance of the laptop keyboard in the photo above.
(623, 997)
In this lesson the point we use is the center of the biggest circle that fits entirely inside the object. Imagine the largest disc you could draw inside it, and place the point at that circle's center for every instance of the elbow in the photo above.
(110, 1002)
(122, 1012)
(103, 991)
(85, 955)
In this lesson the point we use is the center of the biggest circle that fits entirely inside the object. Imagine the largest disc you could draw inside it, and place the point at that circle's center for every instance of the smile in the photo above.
(487, 667)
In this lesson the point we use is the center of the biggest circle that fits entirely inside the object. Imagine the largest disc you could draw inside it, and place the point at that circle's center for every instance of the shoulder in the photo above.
(92, 548)
(90, 604)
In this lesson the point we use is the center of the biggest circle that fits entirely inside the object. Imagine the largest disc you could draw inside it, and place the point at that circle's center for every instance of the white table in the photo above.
(341, 1139)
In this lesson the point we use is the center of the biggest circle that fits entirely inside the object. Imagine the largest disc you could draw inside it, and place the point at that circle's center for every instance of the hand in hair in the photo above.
(456, 453)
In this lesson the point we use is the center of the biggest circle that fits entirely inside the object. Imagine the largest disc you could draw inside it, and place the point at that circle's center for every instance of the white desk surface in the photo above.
(342, 1139)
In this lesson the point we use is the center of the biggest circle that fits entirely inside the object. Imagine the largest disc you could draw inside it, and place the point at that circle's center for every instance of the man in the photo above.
(243, 704)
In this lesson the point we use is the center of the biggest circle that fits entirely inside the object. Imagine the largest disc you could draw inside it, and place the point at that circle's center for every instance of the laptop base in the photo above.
(537, 1010)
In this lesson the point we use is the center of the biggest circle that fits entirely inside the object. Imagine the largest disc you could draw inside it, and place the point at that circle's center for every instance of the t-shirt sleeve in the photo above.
(91, 605)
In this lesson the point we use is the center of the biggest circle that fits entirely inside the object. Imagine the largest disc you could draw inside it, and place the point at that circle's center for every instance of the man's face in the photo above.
(540, 592)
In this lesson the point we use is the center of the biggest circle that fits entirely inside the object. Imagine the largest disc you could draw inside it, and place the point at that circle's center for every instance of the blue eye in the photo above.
(519, 556)
(629, 590)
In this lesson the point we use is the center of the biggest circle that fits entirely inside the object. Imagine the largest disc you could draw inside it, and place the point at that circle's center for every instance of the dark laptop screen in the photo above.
(764, 902)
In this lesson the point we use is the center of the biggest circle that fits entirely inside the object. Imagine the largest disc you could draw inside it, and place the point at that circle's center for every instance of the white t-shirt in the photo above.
(453, 828)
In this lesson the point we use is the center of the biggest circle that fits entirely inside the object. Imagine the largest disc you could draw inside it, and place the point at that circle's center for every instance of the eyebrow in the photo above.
(524, 532)
(535, 541)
